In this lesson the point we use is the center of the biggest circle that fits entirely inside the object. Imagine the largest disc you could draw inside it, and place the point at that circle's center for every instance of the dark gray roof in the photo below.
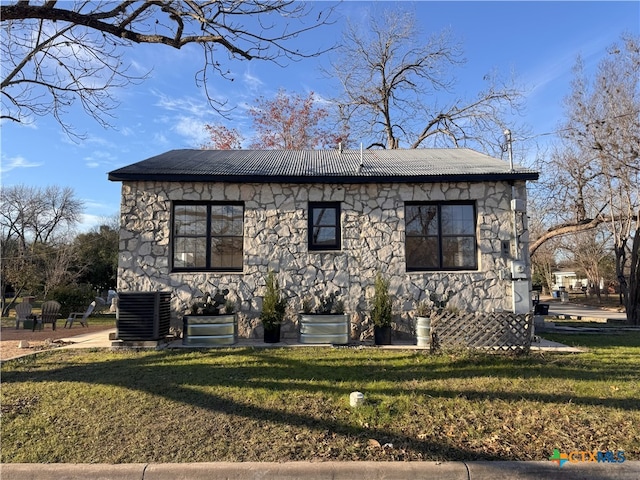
(322, 166)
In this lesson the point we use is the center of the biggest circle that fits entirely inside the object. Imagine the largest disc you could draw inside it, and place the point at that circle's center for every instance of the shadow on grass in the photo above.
(188, 377)
(155, 374)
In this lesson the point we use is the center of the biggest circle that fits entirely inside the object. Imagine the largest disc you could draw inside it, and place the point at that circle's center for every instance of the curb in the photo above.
(480, 470)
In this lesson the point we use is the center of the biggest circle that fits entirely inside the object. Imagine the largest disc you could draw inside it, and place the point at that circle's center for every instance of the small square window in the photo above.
(324, 226)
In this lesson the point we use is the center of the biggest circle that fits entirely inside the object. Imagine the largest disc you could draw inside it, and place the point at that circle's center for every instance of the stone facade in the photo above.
(275, 237)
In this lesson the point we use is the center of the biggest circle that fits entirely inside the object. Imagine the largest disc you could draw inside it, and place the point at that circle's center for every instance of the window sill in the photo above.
(224, 272)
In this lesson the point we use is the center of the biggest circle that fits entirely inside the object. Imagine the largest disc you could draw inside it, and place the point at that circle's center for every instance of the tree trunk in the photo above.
(633, 292)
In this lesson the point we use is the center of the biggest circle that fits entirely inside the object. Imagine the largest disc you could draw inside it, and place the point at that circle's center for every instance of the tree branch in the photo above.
(46, 44)
(573, 227)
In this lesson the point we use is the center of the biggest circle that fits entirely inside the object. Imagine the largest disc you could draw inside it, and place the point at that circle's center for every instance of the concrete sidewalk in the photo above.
(324, 471)
(556, 308)
(101, 340)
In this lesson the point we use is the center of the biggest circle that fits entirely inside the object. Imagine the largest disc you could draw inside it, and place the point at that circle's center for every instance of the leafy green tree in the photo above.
(96, 253)
(72, 297)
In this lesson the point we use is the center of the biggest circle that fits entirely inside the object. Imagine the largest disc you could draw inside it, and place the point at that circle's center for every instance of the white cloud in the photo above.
(126, 131)
(193, 106)
(560, 67)
(192, 129)
(321, 100)
(12, 163)
(98, 158)
(101, 213)
(160, 139)
(88, 222)
(251, 81)
(139, 67)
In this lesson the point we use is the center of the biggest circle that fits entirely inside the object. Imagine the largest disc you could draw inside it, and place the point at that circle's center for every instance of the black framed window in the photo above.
(441, 236)
(208, 236)
(324, 226)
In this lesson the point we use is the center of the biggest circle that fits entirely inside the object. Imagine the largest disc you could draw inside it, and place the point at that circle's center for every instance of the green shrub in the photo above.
(273, 304)
(381, 310)
(72, 298)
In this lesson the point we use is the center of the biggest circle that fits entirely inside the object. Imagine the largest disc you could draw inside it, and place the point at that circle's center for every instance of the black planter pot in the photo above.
(272, 335)
(382, 335)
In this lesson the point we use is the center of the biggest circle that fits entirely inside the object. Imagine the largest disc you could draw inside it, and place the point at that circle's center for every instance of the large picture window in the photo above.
(324, 226)
(208, 236)
(440, 236)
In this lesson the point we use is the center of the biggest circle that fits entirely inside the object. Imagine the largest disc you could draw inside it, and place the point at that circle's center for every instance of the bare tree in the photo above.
(397, 88)
(598, 163)
(35, 226)
(591, 253)
(543, 260)
(56, 53)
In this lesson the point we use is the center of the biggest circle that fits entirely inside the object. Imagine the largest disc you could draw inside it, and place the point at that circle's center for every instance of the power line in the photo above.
(568, 129)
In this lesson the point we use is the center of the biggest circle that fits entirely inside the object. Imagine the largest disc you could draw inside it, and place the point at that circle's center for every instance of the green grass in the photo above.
(289, 404)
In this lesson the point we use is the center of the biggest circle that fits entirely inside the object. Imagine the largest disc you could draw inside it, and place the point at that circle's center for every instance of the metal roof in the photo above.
(322, 166)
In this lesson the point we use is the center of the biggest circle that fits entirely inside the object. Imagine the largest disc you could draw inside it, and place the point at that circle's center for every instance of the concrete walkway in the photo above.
(325, 471)
(556, 309)
(101, 340)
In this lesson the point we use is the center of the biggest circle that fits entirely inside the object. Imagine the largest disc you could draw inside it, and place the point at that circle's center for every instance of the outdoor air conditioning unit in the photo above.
(143, 315)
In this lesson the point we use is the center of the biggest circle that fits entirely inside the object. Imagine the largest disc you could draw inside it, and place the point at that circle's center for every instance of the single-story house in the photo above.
(432, 221)
(568, 280)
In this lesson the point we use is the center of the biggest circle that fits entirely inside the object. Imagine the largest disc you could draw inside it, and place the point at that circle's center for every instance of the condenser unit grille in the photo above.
(143, 315)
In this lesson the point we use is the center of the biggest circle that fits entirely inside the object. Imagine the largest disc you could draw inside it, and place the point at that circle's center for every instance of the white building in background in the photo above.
(568, 280)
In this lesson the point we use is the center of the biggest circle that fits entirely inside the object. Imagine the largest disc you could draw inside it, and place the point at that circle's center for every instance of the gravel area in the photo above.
(44, 339)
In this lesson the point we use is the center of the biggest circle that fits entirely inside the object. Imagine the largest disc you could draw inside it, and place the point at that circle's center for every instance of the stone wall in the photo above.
(275, 232)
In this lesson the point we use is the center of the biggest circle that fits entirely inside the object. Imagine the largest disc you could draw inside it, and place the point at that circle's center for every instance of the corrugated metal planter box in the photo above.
(324, 329)
(210, 330)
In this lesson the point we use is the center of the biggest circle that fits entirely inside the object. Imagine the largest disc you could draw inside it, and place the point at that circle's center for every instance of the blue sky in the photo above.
(539, 41)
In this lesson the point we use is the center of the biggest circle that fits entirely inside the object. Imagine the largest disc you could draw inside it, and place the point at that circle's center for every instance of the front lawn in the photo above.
(287, 404)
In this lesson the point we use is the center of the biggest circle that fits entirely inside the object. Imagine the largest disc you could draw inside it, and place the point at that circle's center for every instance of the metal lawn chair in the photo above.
(23, 313)
(83, 316)
(50, 314)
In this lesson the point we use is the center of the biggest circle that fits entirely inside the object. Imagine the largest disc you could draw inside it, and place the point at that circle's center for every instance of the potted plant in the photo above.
(211, 320)
(273, 309)
(381, 311)
(326, 323)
